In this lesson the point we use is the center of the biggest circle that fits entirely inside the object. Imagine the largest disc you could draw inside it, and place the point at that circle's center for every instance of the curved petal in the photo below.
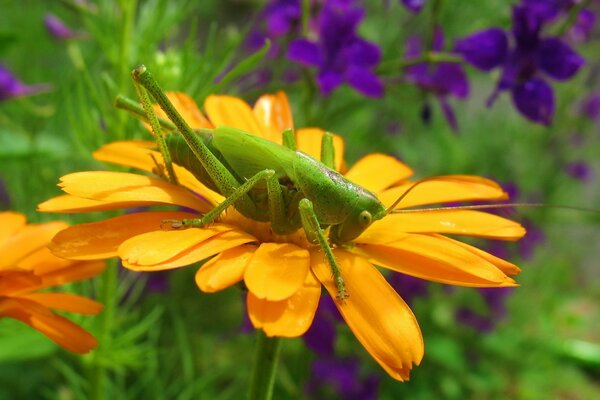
(140, 155)
(65, 302)
(202, 251)
(10, 223)
(73, 273)
(287, 318)
(67, 203)
(42, 261)
(434, 259)
(377, 172)
(234, 113)
(378, 317)
(158, 246)
(276, 271)
(27, 240)
(138, 190)
(16, 281)
(535, 100)
(444, 189)
(100, 240)
(457, 222)
(274, 111)
(503, 265)
(225, 269)
(309, 142)
(57, 328)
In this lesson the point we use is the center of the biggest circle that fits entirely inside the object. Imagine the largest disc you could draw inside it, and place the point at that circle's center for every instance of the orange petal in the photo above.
(378, 317)
(65, 302)
(138, 190)
(27, 240)
(16, 281)
(503, 265)
(10, 223)
(73, 273)
(376, 172)
(155, 247)
(457, 222)
(273, 110)
(187, 109)
(42, 261)
(202, 251)
(73, 204)
(287, 318)
(234, 113)
(99, 240)
(309, 142)
(57, 328)
(276, 271)
(434, 259)
(139, 154)
(225, 269)
(444, 189)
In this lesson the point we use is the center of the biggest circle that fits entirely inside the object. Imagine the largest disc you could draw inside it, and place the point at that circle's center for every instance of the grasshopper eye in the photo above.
(365, 218)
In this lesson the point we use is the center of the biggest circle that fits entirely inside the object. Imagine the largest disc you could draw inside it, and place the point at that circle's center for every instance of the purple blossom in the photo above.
(321, 335)
(591, 107)
(339, 54)
(332, 378)
(579, 170)
(11, 87)
(534, 237)
(495, 301)
(279, 18)
(57, 28)
(414, 6)
(526, 63)
(408, 287)
(583, 27)
(442, 80)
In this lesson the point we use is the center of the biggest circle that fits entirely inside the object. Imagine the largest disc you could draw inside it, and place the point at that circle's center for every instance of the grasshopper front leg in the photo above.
(315, 234)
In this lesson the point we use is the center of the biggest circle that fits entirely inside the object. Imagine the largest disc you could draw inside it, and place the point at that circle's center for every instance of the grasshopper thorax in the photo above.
(366, 210)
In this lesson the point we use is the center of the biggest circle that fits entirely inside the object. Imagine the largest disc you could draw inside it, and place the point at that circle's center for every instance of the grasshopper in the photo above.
(266, 181)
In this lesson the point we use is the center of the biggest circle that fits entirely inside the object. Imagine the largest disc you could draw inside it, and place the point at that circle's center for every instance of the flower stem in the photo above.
(265, 365)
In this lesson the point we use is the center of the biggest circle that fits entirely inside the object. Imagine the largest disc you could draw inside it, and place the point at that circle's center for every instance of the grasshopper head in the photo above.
(367, 210)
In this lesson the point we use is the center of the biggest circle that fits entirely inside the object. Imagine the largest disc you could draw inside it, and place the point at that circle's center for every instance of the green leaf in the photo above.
(244, 66)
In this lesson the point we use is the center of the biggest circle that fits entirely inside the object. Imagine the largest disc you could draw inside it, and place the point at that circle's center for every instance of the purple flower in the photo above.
(591, 107)
(339, 54)
(442, 80)
(414, 6)
(57, 28)
(583, 27)
(332, 378)
(534, 237)
(11, 87)
(495, 301)
(531, 58)
(579, 170)
(321, 335)
(408, 287)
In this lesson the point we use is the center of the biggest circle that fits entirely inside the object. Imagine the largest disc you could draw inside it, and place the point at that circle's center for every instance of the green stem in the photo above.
(109, 298)
(265, 365)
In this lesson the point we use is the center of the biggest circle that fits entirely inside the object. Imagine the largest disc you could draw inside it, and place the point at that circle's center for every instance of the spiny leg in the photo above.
(210, 216)
(314, 233)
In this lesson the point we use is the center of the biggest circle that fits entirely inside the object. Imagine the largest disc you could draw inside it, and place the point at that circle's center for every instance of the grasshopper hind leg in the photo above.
(314, 233)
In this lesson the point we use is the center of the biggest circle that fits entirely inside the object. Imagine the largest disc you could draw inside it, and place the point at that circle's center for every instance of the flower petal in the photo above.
(139, 154)
(225, 269)
(42, 261)
(309, 140)
(76, 272)
(276, 271)
(485, 50)
(305, 52)
(457, 222)
(65, 302)
(535, 100)
(27, 240)
(429, 257)
(234, 113)
(202, 251)
(444, 189)
(57, 328)
(100, 240)
(73, 204)
(135, 190)
(377, 172)
(274, 111)
(558, 60)
(378, 317)
(155, 247)
(503, 265)
(364, 81)
(187, 108)
(16, 281)
(287, 318)
(10, 223)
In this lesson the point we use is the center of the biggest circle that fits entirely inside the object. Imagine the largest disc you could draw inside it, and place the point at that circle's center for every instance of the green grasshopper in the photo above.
(266, 181)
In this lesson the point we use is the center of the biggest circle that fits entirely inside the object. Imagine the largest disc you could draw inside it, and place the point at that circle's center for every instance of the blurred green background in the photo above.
(183, 344)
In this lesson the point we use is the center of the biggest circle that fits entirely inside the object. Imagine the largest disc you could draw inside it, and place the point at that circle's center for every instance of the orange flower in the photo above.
(26, 266)
(284, 273)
